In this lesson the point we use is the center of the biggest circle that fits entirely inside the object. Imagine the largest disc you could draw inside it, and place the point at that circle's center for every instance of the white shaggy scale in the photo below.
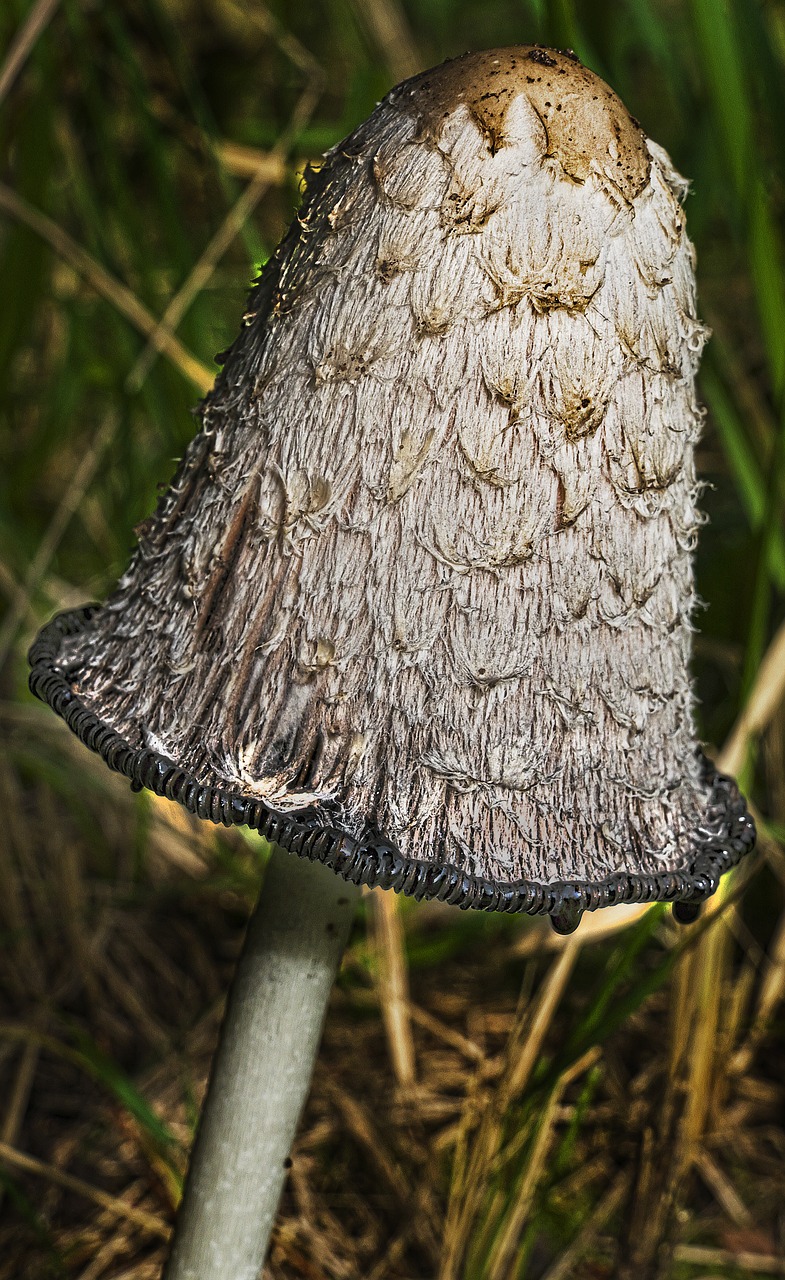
(430, 557)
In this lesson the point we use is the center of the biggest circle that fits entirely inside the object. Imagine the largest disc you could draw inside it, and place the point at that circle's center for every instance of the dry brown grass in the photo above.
(442, 1136)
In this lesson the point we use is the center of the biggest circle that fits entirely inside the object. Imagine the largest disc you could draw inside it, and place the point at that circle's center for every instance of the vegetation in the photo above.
(490, 1103)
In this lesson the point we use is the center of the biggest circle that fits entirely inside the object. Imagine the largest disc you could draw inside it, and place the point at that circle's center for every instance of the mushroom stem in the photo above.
(262, 1071)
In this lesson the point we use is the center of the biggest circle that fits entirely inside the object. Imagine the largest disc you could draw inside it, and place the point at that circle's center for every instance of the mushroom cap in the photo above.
(584, 122)
(418, 602)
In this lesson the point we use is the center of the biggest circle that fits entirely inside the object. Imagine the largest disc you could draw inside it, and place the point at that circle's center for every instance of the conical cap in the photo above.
(419, 600)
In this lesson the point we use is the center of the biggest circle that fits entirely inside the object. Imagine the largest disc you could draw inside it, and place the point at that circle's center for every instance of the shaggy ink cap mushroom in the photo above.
(418, 603)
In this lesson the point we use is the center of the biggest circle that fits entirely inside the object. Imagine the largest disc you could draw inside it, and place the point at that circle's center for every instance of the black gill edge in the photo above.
(726, 836)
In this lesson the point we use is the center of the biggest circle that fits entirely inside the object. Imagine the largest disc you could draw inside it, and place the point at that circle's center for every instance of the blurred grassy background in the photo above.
(484, 1106)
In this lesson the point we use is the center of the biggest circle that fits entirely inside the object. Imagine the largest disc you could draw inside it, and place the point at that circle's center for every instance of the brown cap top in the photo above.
(583, 119)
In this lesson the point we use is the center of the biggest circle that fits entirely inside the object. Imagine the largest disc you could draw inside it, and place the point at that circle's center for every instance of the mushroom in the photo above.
(418, 603)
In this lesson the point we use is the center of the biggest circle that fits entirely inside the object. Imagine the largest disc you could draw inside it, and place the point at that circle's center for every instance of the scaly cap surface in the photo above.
(422, 586)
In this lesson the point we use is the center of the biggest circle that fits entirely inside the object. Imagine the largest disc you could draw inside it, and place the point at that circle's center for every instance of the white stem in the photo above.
(262, 1071)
